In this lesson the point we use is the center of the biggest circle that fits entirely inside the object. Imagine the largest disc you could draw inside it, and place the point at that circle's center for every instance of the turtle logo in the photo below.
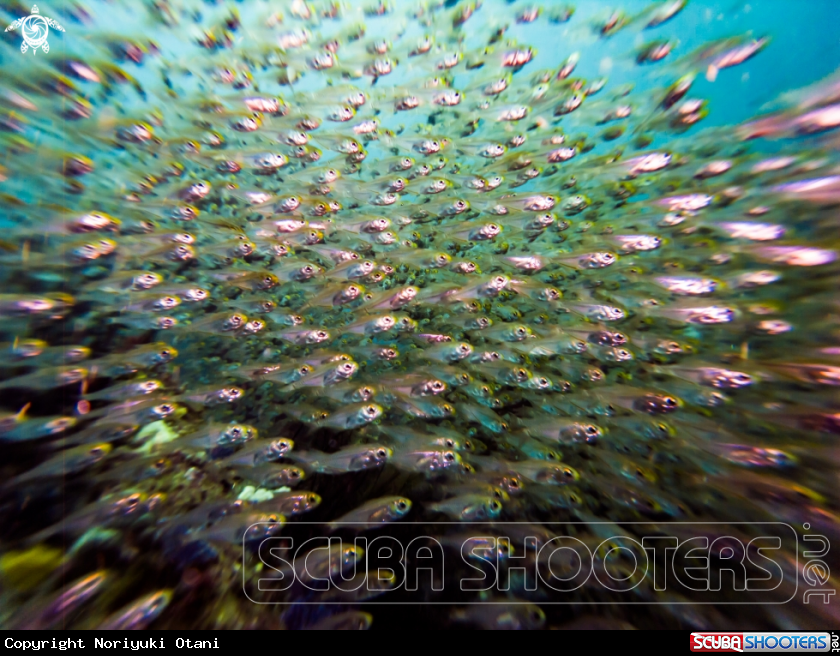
(35, 29)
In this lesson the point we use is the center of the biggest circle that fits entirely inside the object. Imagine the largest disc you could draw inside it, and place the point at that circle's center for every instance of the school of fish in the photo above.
(338, 262)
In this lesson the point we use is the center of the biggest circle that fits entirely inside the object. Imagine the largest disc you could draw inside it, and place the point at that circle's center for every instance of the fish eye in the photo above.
(449, 456)
(381, 453)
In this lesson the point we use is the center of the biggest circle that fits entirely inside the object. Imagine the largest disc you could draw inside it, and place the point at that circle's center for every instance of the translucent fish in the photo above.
(383, 510)
(354, 458)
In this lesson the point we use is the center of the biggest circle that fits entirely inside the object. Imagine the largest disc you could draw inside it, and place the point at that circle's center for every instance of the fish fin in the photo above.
(21, 414)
